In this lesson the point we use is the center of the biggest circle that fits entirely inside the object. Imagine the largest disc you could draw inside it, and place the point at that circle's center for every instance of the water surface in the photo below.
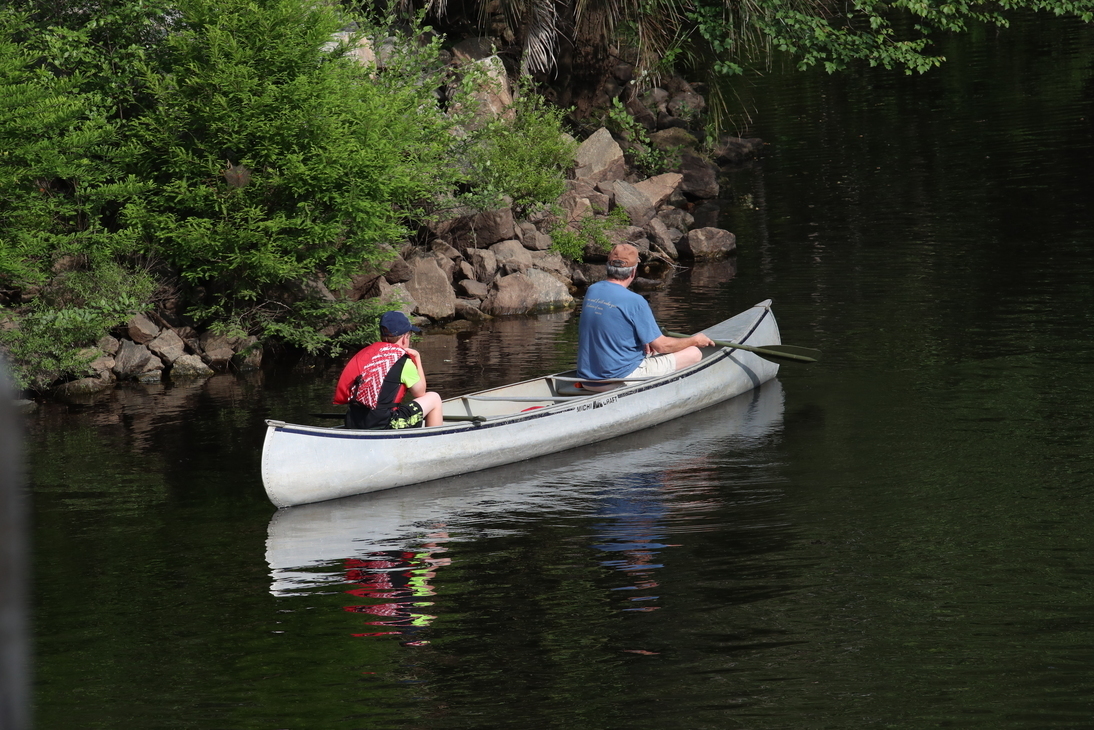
(899, 536)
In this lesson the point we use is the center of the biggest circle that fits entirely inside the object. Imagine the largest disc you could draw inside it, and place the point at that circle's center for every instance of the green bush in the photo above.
(78, 308)
(524, 159)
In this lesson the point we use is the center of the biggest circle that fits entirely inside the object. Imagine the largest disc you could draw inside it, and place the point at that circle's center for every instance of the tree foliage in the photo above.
(234, 146)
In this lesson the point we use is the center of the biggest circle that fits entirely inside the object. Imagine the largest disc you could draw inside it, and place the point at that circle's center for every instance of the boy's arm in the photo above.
(418, 389)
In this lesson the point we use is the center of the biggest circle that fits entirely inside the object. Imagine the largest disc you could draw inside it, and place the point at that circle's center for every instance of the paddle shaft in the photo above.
(790, 353)
(475, 419)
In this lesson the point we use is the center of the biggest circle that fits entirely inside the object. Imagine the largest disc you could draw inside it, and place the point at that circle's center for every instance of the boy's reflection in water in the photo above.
(402, 578)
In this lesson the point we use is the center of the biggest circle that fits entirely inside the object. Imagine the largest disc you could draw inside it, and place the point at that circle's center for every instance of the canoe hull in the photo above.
(303, 464)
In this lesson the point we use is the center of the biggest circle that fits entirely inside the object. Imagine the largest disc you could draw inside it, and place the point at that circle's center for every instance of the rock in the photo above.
(399, 295)
(83, 386)
(526, 292)
(169, 346)
(642, 114)
(473, 289)
(398, 270)
(512, 254)
(551, 261)
(439, 246)
(131, 359)
(218, 349)
(359, 50)
(686, 104)
(575, 209)
(660, 238)
(153, 371)
(677, 218)
(700, 177)
(599, 158)
(469, 310)
(536, 241)
(673, 138)
(731, 150)
(634, 201)
(447, 265)
(660, 187)
(708, 243)
(493, 97)
(141, 329)
(108, 344)
(656, 99)
(485, 264)
(550, 291)
(473, 49)
(431, 289)
(510, 294)
(248, 354)
(363, 286)
(465, 270)
(189, 366)
(491, 226)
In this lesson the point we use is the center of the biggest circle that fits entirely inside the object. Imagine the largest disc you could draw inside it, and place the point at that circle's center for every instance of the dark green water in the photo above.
(900, 536)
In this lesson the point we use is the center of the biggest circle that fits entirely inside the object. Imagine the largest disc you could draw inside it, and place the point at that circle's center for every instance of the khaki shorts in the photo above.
(654, 366)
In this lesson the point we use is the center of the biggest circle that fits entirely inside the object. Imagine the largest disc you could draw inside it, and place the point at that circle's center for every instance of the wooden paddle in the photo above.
(791, 353)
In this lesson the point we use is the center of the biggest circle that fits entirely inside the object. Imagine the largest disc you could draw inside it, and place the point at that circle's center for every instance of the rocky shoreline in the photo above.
(493, 263)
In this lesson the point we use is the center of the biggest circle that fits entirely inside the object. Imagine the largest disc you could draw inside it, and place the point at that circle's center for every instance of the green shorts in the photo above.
(406, 416)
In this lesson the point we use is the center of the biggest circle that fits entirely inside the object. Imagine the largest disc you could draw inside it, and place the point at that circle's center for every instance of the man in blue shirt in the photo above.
(618, 336)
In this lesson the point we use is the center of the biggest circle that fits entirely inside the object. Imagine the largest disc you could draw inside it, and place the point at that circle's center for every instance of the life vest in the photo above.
(372, 378)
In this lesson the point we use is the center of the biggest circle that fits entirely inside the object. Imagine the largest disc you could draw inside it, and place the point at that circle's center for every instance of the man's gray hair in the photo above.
(620, 273)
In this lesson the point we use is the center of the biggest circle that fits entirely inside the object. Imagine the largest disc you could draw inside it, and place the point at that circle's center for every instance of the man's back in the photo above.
(615, 326)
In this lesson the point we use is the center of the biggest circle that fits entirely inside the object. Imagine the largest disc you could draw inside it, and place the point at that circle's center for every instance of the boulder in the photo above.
(473, 49)
(131, 359)
(485, 264)
(141, 329)
(677, 218)
(574, 209)
(512, 254)
(493, 97)
(398, 295)
(731, 150)
(634, 201)
(707, 243)
(468, 309)
(169, 346)
(599, 158)
(83, 386)
(531, 291)
(491, 226)
(660, 238)
(700, 178)
(398, 270)
(686, 104)
(550, 291)
(660, 187)
(656, 99)
(108, 344)
(536, 241)
(189, 366)
(473, 289)
(445, 264)
(551, 261)
(360, 50)
(510, 294)
(431, 289)
(673, 138)
(153, 371)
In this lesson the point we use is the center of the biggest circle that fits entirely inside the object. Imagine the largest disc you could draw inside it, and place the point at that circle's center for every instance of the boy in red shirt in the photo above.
(377, 378)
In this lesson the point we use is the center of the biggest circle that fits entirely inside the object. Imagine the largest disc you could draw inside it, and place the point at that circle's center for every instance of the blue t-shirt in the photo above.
(616, 324)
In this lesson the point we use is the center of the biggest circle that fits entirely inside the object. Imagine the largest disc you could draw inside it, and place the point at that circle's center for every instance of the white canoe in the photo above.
(306, 546)
(303, 464)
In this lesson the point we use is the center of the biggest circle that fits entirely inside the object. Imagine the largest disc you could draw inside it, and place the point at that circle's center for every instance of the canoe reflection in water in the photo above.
(389, 545)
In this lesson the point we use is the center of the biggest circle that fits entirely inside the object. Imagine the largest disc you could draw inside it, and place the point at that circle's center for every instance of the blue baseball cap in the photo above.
(395, 323)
